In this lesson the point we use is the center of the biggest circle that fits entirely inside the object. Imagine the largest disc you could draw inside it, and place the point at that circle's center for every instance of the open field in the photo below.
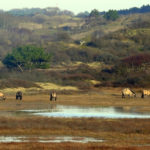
(97, 97)
(118, 134)
(67, 146)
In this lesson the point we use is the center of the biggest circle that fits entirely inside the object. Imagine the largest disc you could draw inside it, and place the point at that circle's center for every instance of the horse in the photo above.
(2, 96)
(53, 95)
(128, 92)
(145, 93)
(19, 95)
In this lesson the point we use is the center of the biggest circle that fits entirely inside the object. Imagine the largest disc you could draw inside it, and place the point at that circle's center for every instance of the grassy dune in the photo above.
(30, 26)
(42, 87)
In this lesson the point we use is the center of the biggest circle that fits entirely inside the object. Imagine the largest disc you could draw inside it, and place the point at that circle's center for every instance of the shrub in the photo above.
(111, 15)
(14, 83)
(77, 76)
(136, 60)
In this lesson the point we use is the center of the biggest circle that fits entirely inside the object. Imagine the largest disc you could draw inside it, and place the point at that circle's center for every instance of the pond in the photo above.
(78, 112)
(47, 139)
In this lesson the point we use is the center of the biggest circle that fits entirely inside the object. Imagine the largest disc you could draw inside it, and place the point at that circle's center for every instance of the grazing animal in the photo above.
(19, 95)
(53, 95)
(2, 97)
(145, 93)
(128, 92)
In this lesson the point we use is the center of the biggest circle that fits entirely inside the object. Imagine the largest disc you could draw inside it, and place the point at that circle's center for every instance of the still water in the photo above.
(48, 139)
(78, 112)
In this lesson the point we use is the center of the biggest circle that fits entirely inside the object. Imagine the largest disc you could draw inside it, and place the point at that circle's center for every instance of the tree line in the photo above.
(133, 10)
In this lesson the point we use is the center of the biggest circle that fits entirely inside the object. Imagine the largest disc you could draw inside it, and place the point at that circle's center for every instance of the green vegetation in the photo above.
(33, 11)
(83, 14)
(62, 39)
(27, 57)
(94, 13)
(111, 15)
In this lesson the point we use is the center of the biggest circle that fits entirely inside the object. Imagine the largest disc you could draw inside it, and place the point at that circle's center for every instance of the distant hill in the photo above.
(133, 10)
(70, 38)
(51, 11)
(143, 9)
(86, 40)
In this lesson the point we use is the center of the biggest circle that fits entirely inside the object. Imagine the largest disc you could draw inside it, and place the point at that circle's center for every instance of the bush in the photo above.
(107, 58)
(137, 60)
(14, 83)
(111, 15)
(77, 76)
(27, 57)
(84, 85)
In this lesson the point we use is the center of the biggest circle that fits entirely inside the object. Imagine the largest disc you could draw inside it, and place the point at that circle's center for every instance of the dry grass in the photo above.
(71, 24)
(41, 87)
(96, 65)
(96, 97)
(49, 86)
(30, 26)
(116, 133)
(119, 134)
(66, 146)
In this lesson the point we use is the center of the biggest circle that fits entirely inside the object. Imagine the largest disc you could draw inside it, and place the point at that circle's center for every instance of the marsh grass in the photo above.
(115, 133)
(118, 134)
(65, 146)
(33, 99)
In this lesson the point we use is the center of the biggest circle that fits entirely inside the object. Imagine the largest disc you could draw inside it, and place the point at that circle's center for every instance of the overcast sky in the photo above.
(74, 5)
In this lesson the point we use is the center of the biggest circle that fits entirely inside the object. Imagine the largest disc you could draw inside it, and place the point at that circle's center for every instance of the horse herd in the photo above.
(130, 93)
(125, 92)
(19, 96)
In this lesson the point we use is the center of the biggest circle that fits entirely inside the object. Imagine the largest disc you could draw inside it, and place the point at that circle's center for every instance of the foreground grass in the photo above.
(118, 134)
(114, 132)
(66, 146)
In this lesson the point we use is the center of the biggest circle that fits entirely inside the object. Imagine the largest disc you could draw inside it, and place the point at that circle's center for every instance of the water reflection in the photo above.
(99, 112)
(52, 139)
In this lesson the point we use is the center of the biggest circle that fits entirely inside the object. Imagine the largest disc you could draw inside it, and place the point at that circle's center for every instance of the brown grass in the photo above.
(118, 134)
(97, 97)
(66, 146)
(123, 132)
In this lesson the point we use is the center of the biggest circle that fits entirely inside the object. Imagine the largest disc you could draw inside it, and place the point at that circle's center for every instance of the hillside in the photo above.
(46, 31)
(71, 39)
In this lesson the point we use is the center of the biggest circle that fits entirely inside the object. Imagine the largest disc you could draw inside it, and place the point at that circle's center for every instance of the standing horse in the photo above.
(19, 95)
(145, 93)
(53, 95)
(128, 92)
(2, 97)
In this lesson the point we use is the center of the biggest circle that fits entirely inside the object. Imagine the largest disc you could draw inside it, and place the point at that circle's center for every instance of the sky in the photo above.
(75, 6)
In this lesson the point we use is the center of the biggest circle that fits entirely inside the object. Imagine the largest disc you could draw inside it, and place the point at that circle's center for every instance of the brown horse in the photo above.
(53, 95)
(2, 96)
(145, 93)
(19, 95)
(128, 92)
